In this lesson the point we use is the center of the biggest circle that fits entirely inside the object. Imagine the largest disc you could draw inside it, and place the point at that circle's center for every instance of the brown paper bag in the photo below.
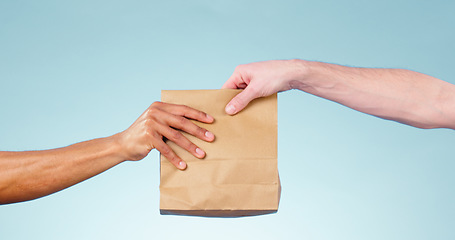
(239, 175)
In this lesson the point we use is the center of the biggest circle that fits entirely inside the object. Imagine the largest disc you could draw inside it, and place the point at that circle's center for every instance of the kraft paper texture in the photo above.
(239, 175)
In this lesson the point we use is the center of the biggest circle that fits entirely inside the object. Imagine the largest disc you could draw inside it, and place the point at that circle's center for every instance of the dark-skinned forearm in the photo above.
(33, 174)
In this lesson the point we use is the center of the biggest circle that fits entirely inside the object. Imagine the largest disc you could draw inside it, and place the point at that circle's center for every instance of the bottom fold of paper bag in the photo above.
(216, 213)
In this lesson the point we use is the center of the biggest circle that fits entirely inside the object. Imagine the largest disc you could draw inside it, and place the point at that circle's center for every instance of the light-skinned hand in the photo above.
(261, 79)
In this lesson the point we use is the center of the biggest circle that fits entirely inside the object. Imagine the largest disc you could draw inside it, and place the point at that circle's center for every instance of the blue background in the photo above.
(76, 70)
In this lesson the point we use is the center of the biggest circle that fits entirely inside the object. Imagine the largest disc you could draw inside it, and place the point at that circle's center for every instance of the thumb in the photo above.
(240, 101)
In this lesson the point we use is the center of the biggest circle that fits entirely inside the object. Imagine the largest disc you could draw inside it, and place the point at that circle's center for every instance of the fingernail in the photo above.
(230, 109)
(200, 152)
(182, 165)
(209, 135)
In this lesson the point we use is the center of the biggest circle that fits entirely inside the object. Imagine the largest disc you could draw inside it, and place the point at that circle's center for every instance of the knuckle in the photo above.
(155, 104)
(175, 135)
(236, 101)
(174, 158)
(202, 115)
(150, 112)
(186, 108)
(156, 135)
(253, 90)
(188, 145)
(148, 133)
(166, 151)
(154, 107)
(150, 127)
(152, 135)
(148, 122)
(201, 131)
(182, 121)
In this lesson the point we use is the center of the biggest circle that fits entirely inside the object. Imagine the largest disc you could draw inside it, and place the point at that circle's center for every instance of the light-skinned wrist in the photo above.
(298, 73)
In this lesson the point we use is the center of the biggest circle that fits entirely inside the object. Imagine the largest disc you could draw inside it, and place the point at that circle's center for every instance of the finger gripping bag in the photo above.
(239, 174)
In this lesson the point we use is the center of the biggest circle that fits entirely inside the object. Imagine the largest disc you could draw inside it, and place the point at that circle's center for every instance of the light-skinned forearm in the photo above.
(401, 95)
(33, 174)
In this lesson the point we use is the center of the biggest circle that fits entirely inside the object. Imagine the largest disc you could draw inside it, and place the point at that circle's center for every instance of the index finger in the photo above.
(232, 81)
(188, 112)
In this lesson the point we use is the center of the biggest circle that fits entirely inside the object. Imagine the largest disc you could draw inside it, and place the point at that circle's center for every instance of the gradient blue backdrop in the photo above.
(76, 70)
